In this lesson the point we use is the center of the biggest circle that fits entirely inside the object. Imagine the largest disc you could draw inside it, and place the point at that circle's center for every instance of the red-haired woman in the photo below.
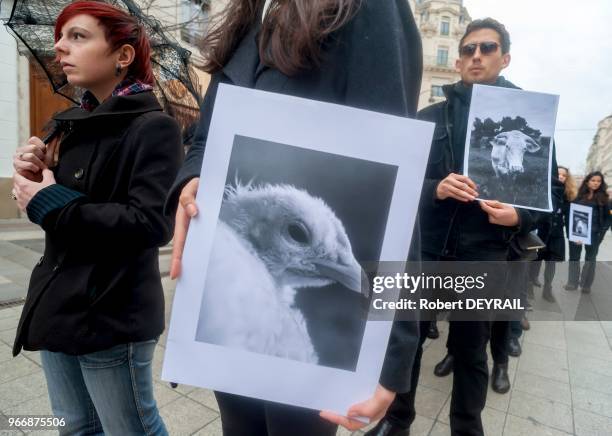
(361, 53)
(95, 304)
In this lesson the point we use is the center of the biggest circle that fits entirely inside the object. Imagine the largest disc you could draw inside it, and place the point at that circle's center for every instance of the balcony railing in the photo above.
(434, 61)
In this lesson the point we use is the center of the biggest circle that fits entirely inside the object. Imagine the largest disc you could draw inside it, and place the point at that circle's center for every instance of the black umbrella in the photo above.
(32, 23)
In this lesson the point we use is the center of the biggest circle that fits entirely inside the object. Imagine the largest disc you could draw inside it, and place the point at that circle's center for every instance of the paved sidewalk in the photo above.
(562, 384)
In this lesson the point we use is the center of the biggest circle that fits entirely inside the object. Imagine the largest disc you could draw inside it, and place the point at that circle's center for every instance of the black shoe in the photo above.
(500, 382)
(445, 366)
(514, 347)
(432, 332)
(385, 428)
(547, 294)
(585, 290)
(536, 283)
(570, 287)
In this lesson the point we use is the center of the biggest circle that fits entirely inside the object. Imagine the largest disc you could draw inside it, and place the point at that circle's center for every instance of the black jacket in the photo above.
(98, 283)
(449, 226)
(375, 63)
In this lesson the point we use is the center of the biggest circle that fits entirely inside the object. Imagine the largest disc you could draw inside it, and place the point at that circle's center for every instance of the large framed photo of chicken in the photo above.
(509, 145)
(295, 195)
(580, 222)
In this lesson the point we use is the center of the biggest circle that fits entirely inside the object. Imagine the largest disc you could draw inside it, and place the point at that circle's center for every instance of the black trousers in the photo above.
(586, 278)
(243, 416)
(500, 336)
(549, 270)
(467, 342)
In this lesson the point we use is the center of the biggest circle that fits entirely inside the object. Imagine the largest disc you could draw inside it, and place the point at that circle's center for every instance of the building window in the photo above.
(442, 58)
(194, 20)
(436, 91)
(445, 27)
(461, 19)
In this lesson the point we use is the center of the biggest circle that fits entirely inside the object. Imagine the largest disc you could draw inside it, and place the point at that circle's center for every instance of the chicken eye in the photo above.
(298, 233)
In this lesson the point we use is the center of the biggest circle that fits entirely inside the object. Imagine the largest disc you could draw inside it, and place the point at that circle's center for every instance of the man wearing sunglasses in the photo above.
(455, 227)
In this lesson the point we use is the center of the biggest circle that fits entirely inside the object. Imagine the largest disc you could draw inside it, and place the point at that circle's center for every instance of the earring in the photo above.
(118, 70)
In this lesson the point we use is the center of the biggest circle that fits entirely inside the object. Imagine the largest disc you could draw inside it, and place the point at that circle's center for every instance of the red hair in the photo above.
(120, 28)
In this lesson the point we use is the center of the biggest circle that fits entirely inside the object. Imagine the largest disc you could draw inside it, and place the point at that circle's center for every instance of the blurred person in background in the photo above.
(592, 193)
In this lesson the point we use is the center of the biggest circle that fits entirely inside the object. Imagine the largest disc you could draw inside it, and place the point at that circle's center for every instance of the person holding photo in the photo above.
(361, 53)
(592, 193)
(457, 227)
(95, 303)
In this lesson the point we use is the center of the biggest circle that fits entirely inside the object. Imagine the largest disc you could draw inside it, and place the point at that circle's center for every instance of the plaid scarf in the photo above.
(128, 86)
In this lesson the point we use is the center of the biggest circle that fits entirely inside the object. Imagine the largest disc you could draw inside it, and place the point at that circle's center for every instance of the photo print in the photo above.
(509, 145)
(295, 196)
(580, 220)
(287, 252)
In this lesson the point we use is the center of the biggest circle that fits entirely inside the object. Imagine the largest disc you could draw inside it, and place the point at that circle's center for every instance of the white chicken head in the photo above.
(297, 236)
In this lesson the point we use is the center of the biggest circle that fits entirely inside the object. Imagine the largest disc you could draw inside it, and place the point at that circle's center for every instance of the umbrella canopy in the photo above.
(32, 23)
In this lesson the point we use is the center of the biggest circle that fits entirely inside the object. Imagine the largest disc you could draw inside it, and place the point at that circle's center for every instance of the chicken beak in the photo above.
(350, 275)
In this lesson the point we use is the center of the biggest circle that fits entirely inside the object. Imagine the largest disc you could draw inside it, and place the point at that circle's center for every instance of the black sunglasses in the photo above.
(485, 48)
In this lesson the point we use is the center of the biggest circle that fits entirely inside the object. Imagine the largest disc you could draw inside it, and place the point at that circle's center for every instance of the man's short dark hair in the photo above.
(489, 23)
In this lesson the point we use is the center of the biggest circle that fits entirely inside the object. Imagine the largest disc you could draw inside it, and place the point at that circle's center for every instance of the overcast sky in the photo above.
(494, 102)
(561, 47)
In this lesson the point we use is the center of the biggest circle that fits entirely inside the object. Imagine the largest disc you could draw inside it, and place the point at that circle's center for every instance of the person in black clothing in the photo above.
(593, 193)
(95, 302)
(552, 233)
(359, 53)
(455, 227)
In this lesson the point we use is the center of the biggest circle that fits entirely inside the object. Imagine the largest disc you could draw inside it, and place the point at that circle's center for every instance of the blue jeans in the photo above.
(107, 392)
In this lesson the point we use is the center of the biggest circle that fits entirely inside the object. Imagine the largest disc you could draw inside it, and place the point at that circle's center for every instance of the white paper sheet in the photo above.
(354, 160)
(508, 147)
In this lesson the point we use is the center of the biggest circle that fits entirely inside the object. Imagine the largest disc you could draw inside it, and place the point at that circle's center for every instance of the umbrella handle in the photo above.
(51, 135)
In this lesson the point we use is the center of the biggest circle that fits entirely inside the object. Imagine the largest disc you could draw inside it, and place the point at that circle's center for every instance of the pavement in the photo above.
(561, 384)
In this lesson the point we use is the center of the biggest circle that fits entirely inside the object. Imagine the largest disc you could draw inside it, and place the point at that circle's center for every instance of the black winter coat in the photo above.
(374, 62)
(98, 283)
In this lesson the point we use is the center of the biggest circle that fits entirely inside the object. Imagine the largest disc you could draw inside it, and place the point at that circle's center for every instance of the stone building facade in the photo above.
(599, 157)
(441, 24)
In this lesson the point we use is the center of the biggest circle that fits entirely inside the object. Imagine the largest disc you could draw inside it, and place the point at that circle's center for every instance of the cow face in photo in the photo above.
(508, 151)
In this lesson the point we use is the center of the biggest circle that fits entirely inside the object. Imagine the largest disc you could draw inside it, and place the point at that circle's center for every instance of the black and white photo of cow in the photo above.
(509, 162)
